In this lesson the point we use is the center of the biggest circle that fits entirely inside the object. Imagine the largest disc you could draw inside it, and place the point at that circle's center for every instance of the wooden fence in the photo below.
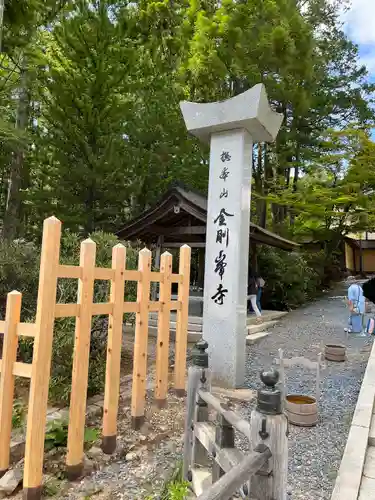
(42, 332)
(260, 474)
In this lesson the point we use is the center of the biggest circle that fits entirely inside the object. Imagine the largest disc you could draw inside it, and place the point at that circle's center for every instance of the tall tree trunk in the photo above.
(279, 211)
(4, 190)
(1, 23)
(259, 185)
(295, 180)
(90, 210)
(267, 183)
(13, 205)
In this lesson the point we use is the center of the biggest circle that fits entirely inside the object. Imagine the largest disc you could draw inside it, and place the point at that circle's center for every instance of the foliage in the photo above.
(104, 131)
(63, 342)
(18, 414)
(91, 435)
(57, 435)
(51, 487)
(19, 270)
(175, 488)
(290, 280)
(62, 360)
(336, 197)
(84, 62)
(178, 490)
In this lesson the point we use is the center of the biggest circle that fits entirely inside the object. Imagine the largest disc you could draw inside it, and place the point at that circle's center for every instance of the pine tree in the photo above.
(82, 130)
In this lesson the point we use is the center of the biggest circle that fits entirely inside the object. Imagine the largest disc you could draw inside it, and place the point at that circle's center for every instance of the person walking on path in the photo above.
(357, 309)
(253, 293)
(261, 284)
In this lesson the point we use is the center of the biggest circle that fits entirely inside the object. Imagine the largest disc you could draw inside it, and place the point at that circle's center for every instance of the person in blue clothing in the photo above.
(357, 309)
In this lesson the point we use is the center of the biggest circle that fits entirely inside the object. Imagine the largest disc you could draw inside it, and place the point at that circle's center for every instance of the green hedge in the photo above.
(19, 270)
(291, 278)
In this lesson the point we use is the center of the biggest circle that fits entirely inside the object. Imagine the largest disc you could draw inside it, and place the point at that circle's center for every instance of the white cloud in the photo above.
(360, 22)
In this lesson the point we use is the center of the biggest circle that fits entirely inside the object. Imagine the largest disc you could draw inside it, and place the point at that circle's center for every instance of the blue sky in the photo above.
(360, 26)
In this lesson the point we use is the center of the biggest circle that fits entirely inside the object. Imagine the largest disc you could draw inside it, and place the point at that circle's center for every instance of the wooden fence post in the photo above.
(200, 456)
(196, 409)
(114, 345)
(10, 343)
(78, 396)
(41, 367)
(162, 346)
(224, 437)
(141, 340)
(182, 322)
(282, 377)
(269, 426)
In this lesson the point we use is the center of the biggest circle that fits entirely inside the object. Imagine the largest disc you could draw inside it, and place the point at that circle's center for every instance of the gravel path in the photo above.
(315, 453)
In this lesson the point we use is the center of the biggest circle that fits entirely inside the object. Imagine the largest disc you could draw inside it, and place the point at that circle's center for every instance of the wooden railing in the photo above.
(260, 474)
(42, 332)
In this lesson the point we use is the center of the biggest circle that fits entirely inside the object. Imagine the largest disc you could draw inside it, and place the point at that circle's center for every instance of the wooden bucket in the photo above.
(335, 352)
(301, 410)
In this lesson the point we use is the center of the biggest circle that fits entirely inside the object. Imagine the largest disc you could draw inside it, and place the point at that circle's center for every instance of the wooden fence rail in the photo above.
(261, 474)
(42, 331)
(233, 480)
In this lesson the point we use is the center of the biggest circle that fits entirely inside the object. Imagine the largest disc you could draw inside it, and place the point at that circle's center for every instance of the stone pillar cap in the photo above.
(249, 110)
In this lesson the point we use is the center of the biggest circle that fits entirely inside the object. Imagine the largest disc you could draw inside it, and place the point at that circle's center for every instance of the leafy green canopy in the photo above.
(102, 83)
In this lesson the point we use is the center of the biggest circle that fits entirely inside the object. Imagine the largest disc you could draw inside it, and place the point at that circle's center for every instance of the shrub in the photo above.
(63, 342)
(19, 270)
(18, 414)
(175, 488)
(290, 278)
(57, 435)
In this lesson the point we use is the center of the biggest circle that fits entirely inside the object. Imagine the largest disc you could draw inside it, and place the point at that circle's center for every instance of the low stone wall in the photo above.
(350, 474)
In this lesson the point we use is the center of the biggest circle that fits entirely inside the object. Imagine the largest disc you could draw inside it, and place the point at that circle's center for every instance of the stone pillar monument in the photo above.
(231, 127)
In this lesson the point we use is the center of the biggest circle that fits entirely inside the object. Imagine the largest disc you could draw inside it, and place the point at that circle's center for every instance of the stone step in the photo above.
(255, 332)
(259, 331)
(252, 339)
(193, 337)
(260, 327)
(193, 320)
(196, 323)
(267, 316)
(196, 328)
(193, 327)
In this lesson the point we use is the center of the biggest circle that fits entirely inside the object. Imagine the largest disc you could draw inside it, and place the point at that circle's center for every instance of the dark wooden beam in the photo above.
(171, 230)
(192, 244)
(201, 263)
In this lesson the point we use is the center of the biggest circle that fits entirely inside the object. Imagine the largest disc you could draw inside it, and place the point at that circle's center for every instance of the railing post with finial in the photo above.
(224, 438)
(269, 426)
(199, 377)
